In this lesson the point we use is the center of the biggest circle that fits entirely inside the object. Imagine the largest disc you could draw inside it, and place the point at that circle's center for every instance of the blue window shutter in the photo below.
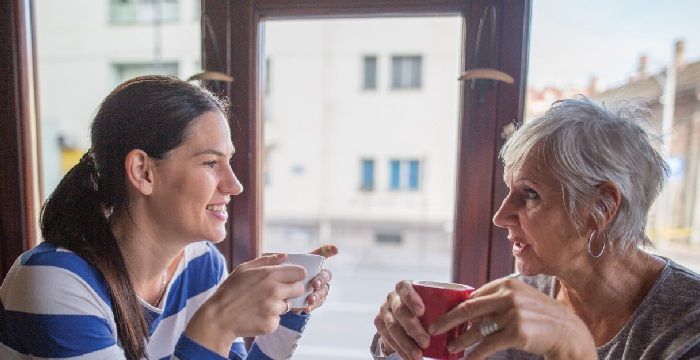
(395, 175)
(413, 174)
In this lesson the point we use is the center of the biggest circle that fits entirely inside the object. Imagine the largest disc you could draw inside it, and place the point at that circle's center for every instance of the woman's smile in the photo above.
(218, 211)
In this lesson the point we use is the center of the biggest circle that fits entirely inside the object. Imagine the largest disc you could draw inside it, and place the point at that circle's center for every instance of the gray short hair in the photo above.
(585, 145)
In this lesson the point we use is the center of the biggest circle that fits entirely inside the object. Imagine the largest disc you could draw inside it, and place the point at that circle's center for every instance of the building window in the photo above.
(369, 80)
(406, 72)
(142, 11)
(367, 175)
(388, 238)
(126, 71)
(404, 175)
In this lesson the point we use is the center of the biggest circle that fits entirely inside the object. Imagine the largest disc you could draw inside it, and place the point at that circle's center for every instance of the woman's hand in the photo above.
(247, 303)
(320, 283)
(525, 318)
(398, 324)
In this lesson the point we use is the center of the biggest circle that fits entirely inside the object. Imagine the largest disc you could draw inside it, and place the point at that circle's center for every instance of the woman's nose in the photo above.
(506, 215)
(230, 183)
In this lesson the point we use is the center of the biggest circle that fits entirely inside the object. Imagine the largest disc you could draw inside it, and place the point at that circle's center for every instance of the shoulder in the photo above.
(677, 288)
(205, 256)
(667, 323)
(55, 304)
(46, 275)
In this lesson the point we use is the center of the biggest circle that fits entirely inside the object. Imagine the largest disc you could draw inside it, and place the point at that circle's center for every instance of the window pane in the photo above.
(370, 73)
(142, 11)
(345, 137)
(406, 71)
(632, 60)
(367, 175)
(395, 177)
(413, 173)
(123, 72)
(79, 47)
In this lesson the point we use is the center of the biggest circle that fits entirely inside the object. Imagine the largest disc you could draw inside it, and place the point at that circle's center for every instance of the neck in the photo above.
(605, 292)
(146, 254)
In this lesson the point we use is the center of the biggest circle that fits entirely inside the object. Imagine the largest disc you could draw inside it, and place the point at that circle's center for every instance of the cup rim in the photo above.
(441, 285)
(303, 254)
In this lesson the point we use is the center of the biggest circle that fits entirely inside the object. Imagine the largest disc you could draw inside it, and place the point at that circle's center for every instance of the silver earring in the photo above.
(590, 240)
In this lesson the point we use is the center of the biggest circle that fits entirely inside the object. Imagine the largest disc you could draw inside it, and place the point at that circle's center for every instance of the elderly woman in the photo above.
(581, 181)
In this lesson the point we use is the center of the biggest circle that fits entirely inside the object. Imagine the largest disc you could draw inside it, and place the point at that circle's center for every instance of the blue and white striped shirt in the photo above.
(56, 305)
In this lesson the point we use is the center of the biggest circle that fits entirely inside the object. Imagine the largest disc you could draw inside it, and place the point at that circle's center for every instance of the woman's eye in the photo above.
(531, 194)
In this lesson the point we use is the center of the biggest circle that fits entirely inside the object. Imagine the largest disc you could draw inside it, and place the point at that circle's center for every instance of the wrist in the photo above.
(205, 328)
(579, 350)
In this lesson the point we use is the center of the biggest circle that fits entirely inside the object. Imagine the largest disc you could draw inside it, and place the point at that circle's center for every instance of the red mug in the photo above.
(439, 298)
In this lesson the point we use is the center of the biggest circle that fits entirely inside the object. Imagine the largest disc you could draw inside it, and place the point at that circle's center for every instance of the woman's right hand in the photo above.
(398, 324)
(247, 303)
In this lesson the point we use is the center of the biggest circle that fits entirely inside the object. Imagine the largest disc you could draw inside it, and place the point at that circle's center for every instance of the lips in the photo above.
(219, 208)
(218, 211)
(519, 247)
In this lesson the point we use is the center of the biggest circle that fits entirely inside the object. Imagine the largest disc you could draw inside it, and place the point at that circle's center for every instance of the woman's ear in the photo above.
(138, 171)
(608, 203)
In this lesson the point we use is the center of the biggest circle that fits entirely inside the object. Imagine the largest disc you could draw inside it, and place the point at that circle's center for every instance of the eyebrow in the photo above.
(213, 152)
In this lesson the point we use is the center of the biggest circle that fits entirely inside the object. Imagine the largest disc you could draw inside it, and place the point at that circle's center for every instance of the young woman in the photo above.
(127, 269)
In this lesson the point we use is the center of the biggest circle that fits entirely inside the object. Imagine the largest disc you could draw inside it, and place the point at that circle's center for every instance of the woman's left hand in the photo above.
(320, 283)
(521, 317)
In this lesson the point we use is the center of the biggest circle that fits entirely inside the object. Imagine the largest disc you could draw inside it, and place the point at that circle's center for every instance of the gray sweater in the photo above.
(666, 325)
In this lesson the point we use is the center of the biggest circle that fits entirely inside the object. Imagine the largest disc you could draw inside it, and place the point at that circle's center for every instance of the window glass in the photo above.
(142, 11)
(370, 73)
(609, 51)
(92, 53)
(343, 136)
(406, 72)
(367, 175)
(126, 71)
(395, 179)
(413, 173)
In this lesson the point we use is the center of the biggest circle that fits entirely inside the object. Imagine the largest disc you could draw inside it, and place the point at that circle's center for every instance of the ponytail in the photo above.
(74, 217)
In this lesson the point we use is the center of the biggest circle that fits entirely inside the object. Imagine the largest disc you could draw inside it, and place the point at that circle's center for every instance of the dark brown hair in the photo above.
(151, 113)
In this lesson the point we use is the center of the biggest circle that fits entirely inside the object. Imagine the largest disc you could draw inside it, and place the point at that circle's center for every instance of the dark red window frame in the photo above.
(231, 45)
(481, 251)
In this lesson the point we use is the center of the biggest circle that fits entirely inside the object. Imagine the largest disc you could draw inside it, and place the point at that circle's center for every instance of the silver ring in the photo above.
(488, 327)
(289, 306)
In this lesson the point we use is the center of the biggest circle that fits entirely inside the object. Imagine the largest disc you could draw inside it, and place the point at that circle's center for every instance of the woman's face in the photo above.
(544, 239)
(194, 182)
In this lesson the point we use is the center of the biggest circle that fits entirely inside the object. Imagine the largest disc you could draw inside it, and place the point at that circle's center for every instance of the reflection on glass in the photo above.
(372, 172)
(621, 56)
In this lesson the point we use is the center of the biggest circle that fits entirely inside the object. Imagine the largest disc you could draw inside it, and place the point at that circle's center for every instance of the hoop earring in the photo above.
(590, 240)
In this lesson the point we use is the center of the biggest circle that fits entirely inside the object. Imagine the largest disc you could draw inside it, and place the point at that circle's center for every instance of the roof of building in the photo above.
(651, 87)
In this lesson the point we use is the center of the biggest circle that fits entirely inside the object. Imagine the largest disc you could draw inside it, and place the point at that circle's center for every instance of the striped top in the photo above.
(53, 304)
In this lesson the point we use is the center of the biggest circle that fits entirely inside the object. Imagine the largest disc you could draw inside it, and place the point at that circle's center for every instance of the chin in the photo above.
(216, 236)
(523, 268)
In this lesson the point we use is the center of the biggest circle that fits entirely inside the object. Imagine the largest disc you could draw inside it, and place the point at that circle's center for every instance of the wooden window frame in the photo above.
(231, 45)
(19, 174)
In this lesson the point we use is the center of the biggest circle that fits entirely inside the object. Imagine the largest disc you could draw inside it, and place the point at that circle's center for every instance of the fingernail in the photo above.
(312, 300)
(431, 329)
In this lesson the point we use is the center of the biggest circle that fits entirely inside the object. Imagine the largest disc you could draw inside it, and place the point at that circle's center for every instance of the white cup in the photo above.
(312, 264)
